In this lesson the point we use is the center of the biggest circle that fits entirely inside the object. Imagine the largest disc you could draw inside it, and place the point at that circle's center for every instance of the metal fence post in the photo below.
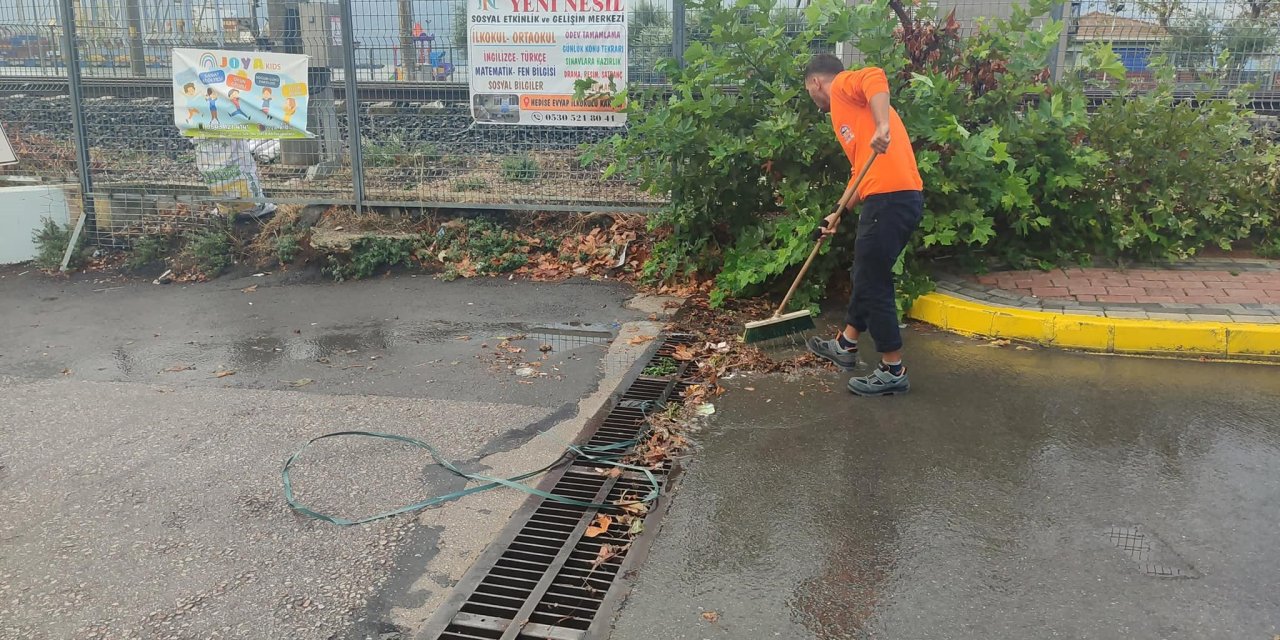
(678, 45)
(1058, 52)
(70, 56)
(678, 36)
(353, 104)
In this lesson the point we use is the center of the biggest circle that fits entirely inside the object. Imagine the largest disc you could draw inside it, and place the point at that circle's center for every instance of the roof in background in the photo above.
(1108, 27)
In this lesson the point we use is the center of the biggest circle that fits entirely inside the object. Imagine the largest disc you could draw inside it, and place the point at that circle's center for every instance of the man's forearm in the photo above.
(880, 110)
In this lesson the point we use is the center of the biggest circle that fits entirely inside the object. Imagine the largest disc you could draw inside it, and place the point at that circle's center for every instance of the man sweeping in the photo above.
(892, 205)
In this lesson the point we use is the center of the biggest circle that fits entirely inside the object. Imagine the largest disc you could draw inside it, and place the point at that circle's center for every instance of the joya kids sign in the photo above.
(244, 95)
(525, 57)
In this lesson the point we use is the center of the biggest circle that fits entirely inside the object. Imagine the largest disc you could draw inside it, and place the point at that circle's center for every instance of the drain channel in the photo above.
(541, 580)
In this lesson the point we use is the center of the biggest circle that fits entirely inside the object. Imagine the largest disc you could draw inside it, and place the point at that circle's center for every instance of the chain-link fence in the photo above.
(89, 103)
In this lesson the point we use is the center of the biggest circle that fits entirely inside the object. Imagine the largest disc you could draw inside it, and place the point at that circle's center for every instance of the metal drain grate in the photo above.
(539, 581)
(1152, 555)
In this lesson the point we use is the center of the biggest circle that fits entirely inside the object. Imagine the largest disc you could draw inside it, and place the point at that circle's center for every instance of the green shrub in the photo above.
(1179, 176)
(470, 184)
(490, 248)
(148, 250)
(287, 247)
(1033, 183)
(521, 168)
(370, 255)
(51, 240)
(211, 250)
(396, 151)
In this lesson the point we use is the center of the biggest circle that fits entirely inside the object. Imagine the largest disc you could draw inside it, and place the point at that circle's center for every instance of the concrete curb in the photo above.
(1231, 340)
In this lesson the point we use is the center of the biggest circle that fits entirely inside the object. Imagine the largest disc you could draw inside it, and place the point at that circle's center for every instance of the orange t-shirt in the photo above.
(895, 169)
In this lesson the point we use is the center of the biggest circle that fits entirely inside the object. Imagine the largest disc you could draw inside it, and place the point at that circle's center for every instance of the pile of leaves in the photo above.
(542, 248)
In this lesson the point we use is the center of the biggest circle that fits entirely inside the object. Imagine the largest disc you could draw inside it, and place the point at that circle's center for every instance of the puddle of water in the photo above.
(566, 337)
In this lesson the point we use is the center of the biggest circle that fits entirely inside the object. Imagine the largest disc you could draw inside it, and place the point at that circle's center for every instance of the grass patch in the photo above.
(287, 247)
(148, 250)
(211, 251)
(522, 168)
(395, 151)
(470, 184)
(662, 368)
(51, 240)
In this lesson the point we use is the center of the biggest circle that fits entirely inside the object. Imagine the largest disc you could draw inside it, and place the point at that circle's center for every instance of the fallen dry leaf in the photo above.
(684, 353)
(607, 553)
(999, 343)
(66, 372)
(640, 340)
(180, 367)
(223, 374)
(249, 289)
(711, 616)
(301, 382)
(638, 509)
(598, 527)
(546, 348)
(1023, 347)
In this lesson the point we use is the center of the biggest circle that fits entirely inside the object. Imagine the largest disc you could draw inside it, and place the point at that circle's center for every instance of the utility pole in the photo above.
(408, 47)
(137, 49)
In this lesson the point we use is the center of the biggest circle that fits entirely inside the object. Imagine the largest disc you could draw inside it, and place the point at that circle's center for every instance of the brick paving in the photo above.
(1227, 290)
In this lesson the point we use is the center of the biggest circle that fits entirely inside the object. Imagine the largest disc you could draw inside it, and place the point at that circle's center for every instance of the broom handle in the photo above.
(840, 208)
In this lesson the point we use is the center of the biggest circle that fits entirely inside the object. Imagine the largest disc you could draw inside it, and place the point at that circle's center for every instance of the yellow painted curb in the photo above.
(1090, 333)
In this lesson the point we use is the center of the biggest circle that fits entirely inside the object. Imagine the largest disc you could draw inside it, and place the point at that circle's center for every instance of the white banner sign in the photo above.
(245, 95)
(525, 57)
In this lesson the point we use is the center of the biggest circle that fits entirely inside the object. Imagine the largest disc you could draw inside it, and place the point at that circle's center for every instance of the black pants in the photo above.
(886, 223)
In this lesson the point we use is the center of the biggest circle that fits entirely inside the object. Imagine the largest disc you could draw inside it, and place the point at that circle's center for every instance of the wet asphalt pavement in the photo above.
(1012, 494)
(141, 492)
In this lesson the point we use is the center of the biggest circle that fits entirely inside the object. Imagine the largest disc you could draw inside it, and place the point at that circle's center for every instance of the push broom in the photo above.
(781, 325)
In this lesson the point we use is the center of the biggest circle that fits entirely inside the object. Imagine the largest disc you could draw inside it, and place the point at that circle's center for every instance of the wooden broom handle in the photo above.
(845, 201)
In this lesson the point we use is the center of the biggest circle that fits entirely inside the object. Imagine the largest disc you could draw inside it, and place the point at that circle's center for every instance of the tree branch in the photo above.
(903, 17)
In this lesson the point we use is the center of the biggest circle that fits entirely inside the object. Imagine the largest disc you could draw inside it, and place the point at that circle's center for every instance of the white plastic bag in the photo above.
(231, 173)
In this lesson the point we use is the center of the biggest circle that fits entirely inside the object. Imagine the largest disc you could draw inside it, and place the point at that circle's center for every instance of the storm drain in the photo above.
(543, 579)
(1153, 557)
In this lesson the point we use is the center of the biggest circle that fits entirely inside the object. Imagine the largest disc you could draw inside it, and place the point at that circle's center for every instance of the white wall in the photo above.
(21, 210)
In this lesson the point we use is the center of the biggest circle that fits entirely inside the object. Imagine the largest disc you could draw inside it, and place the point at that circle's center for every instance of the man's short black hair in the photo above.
(823, 64)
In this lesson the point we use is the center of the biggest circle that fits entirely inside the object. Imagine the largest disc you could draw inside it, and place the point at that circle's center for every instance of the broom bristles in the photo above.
(779, 327)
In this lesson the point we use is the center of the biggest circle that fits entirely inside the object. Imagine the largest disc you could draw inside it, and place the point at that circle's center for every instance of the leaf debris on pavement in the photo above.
(600, 525)
(223, 373)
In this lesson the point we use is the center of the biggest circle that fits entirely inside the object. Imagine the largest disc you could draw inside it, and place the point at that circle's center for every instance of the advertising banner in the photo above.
(525, 57)
(240, 95)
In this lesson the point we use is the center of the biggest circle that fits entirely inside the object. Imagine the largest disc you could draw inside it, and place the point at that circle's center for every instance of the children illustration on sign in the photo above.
(234, 97)
(213, 106)
(193, 101)
(265, 95)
